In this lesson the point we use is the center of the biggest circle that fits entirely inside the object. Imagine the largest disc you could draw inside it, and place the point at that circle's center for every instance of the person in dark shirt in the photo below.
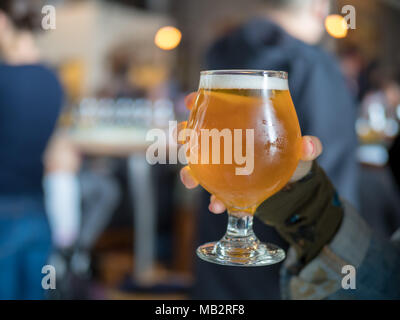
(284, 40)
(30, 101)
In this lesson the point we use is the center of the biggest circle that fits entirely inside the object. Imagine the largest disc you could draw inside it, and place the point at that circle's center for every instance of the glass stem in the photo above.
(239, 227)
(239, 240)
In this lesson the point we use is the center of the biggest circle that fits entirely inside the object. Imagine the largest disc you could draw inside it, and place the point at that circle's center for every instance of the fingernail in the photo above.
(312, 147)
(184, 179)
(218, 206)
(212, 208)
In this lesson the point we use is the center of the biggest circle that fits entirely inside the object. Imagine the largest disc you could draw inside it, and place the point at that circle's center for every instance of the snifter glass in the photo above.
(252, 115)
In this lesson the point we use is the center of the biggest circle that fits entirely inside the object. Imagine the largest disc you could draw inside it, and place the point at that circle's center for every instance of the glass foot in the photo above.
(247, 254)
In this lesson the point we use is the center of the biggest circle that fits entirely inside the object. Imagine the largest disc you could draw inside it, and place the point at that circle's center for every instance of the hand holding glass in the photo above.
(256, 102)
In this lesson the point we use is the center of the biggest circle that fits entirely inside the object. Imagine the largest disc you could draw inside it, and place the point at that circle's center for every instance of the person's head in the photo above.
(352, 61)
(303, 19)
(19, 15)
(391, 89)
(18, 18)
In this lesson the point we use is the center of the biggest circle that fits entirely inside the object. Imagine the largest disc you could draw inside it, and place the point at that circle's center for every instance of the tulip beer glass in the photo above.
(244, 147)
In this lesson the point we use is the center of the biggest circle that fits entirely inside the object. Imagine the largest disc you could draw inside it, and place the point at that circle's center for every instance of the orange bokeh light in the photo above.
(336, 26)
(167, 38)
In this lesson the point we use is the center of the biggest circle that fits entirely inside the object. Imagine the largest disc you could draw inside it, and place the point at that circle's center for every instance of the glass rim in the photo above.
(249, 72)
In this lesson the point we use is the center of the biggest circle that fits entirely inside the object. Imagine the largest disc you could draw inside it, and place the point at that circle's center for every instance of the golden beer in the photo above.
(277, 142)
(251, 116)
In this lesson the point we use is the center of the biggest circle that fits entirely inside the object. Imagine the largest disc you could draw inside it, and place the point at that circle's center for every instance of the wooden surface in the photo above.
(88, 144)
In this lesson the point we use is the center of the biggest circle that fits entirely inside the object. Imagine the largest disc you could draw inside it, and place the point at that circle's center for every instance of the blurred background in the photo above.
(124, 229)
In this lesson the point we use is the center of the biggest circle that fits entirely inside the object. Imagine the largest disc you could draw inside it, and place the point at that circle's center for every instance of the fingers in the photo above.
(61, 155)
(190, 99)
(187, 178)
(311, 149)
(216, 206)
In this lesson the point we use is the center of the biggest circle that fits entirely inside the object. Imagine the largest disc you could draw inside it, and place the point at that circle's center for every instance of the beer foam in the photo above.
(242, 81)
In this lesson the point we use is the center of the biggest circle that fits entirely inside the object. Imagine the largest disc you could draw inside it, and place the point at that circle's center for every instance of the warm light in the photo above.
(167, 38)
(336, 26)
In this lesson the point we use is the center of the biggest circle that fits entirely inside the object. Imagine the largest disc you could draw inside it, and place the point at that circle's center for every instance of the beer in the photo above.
(244, 146)
(244, 101)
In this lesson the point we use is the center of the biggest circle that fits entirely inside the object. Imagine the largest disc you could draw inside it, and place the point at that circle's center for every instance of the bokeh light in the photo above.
(336, 26)
(167, 38)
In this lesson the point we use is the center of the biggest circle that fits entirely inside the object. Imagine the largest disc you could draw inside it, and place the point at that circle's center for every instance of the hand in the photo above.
(311, 149)
(61, 155)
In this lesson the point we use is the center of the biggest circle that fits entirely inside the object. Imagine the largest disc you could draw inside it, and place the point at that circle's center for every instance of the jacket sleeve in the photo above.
(375, 262)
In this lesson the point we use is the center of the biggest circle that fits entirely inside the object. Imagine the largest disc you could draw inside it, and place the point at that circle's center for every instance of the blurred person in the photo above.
(352, 66)
(62, 200)
(377, 128)
(30, 101)
(326, 235)
(393, 98)
(120, 64)
(371, 77)
(62, 192)
(385, 92)
(284, 38)
(80, 198)
(392, 93)
(394, 159)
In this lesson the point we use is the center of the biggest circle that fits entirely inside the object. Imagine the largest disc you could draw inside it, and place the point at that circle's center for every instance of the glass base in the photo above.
(241, 253)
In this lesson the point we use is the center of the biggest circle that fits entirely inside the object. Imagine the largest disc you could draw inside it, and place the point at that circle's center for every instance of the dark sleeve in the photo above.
(375, 261)
(326, 109)
(47, 92)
